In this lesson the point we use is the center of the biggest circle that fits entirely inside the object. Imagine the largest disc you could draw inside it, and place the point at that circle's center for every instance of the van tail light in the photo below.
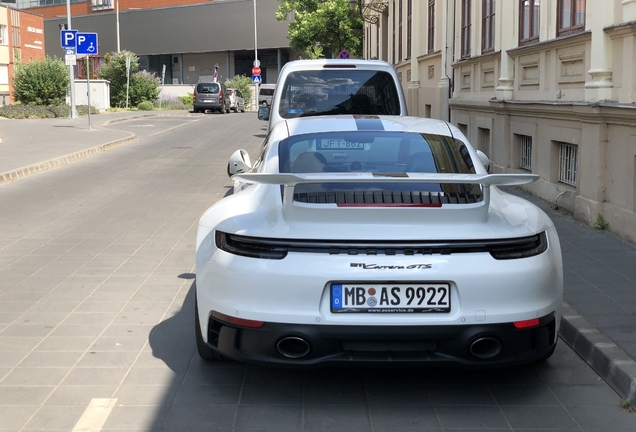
(194, 98)
(221, 95)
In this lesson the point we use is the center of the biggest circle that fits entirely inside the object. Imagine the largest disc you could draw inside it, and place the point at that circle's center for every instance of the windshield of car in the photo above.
(207, 88)
(266, 92)
(340, 91)
(379, 152)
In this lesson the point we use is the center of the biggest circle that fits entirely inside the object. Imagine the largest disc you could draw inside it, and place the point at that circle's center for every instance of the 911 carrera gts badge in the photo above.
(390, 267)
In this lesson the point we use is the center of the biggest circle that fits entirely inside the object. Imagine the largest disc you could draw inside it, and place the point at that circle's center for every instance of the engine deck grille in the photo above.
(385, 197)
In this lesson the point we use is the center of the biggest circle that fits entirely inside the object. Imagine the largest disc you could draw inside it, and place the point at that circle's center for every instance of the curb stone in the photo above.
(10, 176)
(613, 364)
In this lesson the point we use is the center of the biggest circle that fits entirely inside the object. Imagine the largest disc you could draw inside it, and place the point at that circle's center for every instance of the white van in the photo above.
(331, 87)
(265, 94)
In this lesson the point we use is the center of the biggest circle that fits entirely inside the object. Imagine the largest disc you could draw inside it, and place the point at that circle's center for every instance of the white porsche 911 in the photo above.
(366, 239)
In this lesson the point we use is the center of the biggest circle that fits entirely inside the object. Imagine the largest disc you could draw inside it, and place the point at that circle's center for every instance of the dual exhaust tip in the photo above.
(295, 347)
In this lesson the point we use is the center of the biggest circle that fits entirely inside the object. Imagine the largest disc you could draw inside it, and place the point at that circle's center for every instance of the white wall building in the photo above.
(541, 86)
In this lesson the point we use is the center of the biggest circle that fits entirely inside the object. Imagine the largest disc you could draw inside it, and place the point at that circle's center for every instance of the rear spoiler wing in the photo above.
(291, 180)
(486, 180)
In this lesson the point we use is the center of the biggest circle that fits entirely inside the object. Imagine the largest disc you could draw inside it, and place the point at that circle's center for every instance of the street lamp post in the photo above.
(117, 13)
(71, 68)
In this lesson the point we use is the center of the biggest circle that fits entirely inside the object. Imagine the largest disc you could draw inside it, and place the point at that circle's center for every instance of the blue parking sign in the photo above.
(68, 38)
(87, 44)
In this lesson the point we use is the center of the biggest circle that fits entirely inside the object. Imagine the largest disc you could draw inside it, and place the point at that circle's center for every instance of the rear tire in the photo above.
(205, 352)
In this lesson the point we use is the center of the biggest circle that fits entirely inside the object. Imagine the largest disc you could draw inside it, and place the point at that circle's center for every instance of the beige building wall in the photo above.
(5, 53)
(562, 106)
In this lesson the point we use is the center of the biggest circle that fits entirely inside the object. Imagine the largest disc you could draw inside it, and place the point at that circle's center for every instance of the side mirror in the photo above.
(484, 160)
(263, 113)
(239, 163)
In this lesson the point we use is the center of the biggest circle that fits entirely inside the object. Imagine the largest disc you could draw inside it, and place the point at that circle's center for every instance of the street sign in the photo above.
(87, 43)
(256, 70)
(70, 59)
(68, 38)
(256, 63)
(256, 79)
(69, 51)
(344, 54)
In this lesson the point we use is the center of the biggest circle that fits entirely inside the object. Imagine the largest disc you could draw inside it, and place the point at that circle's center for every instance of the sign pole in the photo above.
(88, 89)
(127, 78)
(256, 62)
(71, 68)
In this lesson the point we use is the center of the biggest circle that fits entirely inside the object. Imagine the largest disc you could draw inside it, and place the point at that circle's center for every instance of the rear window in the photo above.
(208, 88)
(327, 92)
(266, 92)
(384, 153)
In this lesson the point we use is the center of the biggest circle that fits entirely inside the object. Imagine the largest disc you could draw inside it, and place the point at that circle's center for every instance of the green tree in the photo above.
(41, 82)
(113, 69)
(322, 27)
(244, 85)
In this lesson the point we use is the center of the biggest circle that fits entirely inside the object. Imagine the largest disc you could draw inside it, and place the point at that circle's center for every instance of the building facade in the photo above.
(541, 86)
(21, 39)
(188, 37)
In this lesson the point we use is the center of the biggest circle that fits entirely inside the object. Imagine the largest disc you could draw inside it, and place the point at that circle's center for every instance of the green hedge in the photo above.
(19, 111)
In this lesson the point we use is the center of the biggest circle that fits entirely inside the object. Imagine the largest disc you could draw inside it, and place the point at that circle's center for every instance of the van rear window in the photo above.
(266, 92)
(207, 88)
(331, 92)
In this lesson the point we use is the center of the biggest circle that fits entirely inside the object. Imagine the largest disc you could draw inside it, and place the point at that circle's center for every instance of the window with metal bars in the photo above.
(525, 160)
(488, 26)
(568, 164)
(431, 25)
(466, 28)
(570, 16)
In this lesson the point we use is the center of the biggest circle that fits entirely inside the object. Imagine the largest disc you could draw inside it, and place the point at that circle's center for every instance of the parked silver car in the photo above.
(237, 103)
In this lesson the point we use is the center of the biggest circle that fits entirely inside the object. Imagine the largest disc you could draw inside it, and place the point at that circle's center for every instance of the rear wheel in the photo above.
(205, 352)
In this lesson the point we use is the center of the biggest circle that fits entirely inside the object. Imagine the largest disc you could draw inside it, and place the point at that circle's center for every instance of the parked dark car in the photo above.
(211, 96)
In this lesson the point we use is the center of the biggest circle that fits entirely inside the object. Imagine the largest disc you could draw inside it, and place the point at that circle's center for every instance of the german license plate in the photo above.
(390, 298)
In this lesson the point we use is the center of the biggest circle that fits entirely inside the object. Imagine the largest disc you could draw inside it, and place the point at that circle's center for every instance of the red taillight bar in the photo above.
(237, 321)
(389, 205)
(527, 323)
(344, 66)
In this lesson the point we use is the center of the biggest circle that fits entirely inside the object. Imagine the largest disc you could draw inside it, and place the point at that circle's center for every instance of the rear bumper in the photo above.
(329, 345)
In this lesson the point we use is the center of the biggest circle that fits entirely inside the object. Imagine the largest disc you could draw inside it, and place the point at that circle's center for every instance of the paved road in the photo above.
(96, 317)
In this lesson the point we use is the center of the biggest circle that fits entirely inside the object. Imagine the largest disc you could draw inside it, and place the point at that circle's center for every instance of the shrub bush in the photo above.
(171, 102)
(19, 111)
(113, 68)
(244, 84)
(188, 100)
(144, 86)
(41, 82)
(145, 106)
